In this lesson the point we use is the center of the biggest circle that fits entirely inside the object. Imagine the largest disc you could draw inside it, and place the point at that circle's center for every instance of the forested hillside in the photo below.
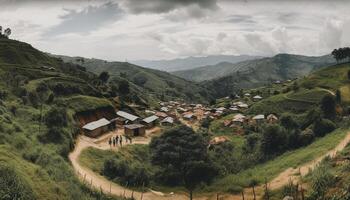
(147, 85)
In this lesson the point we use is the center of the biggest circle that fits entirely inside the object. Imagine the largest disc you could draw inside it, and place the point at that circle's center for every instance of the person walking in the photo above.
(121, 141)
(113, 142)
(110, 142)
(117, 139)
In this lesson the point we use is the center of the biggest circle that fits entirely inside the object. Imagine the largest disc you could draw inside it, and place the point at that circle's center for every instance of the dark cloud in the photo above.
(247, 19)
(88, 19)
(164, 6)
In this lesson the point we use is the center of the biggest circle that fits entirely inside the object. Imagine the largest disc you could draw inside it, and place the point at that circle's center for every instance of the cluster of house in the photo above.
(132, 124)
(240, 120)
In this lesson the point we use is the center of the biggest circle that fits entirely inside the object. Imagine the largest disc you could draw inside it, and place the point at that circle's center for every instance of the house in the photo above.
(161, 115)
(134, 130)
(257, 98)
(181, 110)
(222, 109)
(169, 121)
(127, 118)
(238, 119)
(258, 118)
(234, 109)
(150, 122)
(97, 128)
(243, 105)
(189, 116)
(164, 109)
(247, 94)
(271, 118)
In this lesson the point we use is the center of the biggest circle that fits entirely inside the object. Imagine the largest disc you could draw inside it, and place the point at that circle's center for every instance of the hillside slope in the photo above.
(150, 84)
(192, 62)
(38, 103)
(256, 73)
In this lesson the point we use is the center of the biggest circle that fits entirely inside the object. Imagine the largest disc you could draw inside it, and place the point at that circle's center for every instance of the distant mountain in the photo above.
(149, 84)
(224, 80)
(192, 62)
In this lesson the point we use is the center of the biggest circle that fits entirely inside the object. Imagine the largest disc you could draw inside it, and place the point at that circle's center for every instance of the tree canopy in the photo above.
(185, 153)
(341, 53)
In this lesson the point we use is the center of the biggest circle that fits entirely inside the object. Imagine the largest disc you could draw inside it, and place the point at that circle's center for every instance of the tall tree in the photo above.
(124, 87)
(328, 106)
(338, 96)
(104, 76)
(185, 153)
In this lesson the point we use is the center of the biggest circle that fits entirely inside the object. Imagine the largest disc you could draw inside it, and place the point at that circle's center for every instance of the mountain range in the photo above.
(192, 62)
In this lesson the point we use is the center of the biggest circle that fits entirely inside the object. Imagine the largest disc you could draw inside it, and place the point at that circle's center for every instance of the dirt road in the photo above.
(101, 183)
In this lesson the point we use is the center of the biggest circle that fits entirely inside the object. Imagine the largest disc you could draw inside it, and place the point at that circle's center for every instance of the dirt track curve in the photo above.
(101, 183)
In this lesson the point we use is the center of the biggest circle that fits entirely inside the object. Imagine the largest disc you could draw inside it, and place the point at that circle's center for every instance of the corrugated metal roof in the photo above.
(127, 116)
(150, 119)
(96, 124)
(133, 126)
(168, 119)
(259, 117)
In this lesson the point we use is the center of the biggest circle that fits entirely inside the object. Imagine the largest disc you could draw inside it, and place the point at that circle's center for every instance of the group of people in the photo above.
(113, 141)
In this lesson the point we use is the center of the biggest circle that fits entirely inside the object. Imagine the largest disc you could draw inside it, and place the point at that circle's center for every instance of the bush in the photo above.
(126, 173)
(322, 127)
(56, 117)
(306, 137)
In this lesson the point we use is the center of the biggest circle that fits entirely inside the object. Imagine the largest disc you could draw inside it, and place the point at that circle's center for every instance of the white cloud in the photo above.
(179, 29)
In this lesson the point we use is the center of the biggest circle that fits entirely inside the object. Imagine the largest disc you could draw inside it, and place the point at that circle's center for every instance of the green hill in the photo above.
(311, 89)
(149, 84)
(39, 99)
(225, 78)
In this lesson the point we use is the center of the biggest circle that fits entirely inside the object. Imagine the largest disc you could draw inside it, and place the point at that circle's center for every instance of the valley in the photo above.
(80, 128)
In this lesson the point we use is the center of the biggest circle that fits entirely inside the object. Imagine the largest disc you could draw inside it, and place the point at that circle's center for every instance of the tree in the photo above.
(322, 127)
(288, 122)
(274, 139)
(349, 74)
(124, 87)
(104, 76)
(56, 117)
(185, 153)
(328, 106)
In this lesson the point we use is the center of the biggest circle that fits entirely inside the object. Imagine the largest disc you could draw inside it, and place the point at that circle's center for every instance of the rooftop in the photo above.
(96, 124)
(134, 126)
(150, 119)
(127, 115)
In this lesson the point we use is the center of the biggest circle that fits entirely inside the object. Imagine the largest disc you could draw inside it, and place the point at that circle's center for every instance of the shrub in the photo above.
(322, 127)
(126, 173)
(56, 117)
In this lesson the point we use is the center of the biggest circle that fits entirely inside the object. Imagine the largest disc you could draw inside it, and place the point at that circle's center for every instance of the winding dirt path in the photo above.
(101, 183)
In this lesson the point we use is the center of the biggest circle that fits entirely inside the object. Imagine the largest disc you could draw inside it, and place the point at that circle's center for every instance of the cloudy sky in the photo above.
(166, 29)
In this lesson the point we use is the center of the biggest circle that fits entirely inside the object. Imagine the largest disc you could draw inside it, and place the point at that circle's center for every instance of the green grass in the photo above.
(217, 128)
(81, 103)
(308, 96)
(272, 168)
(345, 93)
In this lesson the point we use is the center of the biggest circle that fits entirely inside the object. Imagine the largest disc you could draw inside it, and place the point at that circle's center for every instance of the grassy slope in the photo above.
(289, 159)
(43, 167)
(257, 73)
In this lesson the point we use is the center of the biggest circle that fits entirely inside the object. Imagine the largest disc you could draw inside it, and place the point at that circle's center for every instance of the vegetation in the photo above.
(38, 98)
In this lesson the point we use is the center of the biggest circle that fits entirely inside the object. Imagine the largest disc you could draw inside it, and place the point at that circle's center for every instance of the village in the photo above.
(172, 113)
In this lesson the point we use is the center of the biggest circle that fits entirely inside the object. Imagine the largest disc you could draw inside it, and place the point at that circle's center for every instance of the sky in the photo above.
(167, 29)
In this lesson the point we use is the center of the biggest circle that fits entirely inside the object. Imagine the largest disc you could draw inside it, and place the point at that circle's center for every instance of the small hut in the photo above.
(150, 122)
(134, 130)
(96, 128)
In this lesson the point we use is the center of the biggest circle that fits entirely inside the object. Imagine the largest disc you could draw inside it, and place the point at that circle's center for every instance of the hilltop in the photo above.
(257, 73)
(192, 62)
(149, 84)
